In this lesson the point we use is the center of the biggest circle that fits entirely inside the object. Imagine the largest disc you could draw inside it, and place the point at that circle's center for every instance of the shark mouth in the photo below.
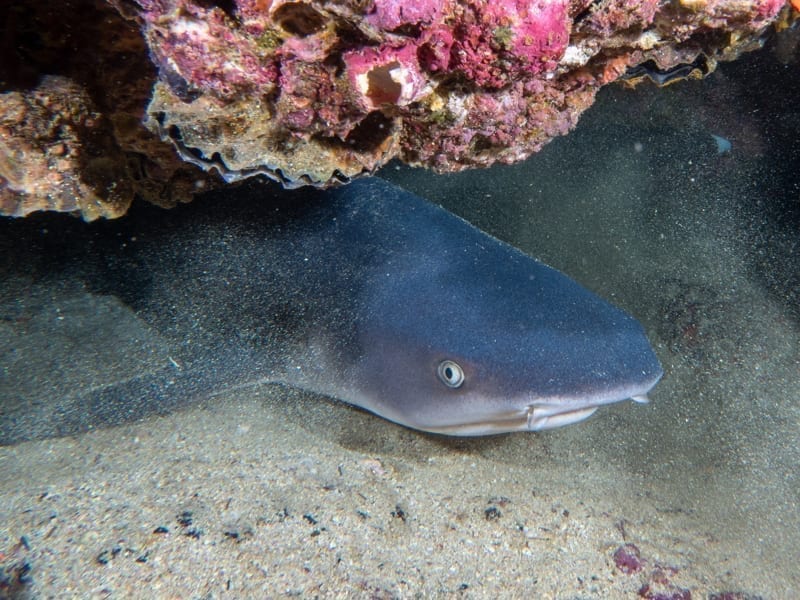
(549, 416)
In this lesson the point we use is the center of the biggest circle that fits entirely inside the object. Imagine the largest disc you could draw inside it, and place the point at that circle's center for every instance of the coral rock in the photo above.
(315, 92)
(71, 137)
(51, 157)
(319, 91)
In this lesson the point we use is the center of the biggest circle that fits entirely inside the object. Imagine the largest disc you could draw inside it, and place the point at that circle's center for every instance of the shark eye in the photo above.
(450, 373)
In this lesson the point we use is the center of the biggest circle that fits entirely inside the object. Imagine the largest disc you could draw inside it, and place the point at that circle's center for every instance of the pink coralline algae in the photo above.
(628, 559)
(321, 91)
(658, 584)
(389, 15)
(496, 44)
(315, 92)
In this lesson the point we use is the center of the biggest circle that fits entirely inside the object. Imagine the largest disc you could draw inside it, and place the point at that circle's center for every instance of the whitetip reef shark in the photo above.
(364, 293)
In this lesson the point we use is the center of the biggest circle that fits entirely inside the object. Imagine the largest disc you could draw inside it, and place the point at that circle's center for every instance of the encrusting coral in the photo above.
(320, 92)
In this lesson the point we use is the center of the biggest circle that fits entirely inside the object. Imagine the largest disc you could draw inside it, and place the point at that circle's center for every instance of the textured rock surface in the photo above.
(53, 153)
(318, 92)
(313, 92)
(74, 82)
